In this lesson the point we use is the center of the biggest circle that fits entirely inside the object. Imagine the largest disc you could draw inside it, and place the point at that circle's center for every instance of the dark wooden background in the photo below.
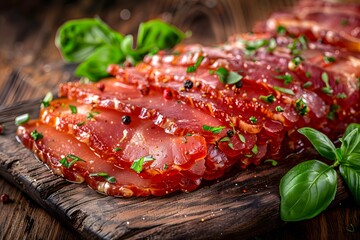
(30, 66)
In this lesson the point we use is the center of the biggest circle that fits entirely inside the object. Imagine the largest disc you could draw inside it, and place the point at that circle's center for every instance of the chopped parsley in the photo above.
(255, 150)
(252, 46)
(73, 109)
(65, 163)
(195, 66)
(36, 135)
(92, 114)
(301, 107)
(334, 108)
(268, 99)
(286, 77)
(165, 166)
(253, 119)
(231, 145)
(225, 139)
(272, 161)
(307, 84)
(47, 99)
(227, 77)
(297, 60)
(272, 45)
(137, 165)
(307, 74)
(214, 130)
(279, 109)
(242, 138)
(281, 30)
(329, 59)
(284, 90)
(341, 96)
(116, 149)
(105, 175)
(327, 89)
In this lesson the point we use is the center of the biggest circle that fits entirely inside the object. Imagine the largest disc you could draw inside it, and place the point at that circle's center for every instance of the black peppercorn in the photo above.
(126, 119)
(230, 133)
(239, 84)
(188, 84)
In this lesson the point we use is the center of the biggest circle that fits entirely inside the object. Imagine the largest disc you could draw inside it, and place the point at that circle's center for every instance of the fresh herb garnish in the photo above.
(272, 45)
(73, 109)
(272, 161)
(341, 95)
(329, 59)
(327, 89)
(116, 149)
(255, 150)
(22, 119)
(281, 30)
(344, 22)
(137, 165)
(301, 107)
(297, 60)
(225, 139)
(110, 179)
(279, 109)
(268, 99)
(47, 99)
(227, 77)
(95, 45)
(307, 74)
(92, 114)
(252, 46)
(214, 130)
(253, 119)
(309, 188)
(307, 84)
(195, 66)
(334, 108)
(65, 163)
(242, 138)
(286, 77)
(284, 90)
(36, 135)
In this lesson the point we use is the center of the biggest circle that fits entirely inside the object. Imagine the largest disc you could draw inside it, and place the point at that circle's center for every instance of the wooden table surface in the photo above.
(30, 66)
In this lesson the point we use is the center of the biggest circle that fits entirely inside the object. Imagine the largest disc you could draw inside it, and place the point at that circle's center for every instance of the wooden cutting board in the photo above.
(245, 203)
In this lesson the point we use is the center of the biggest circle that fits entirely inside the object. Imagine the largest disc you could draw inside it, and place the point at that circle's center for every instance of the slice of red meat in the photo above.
(95, 171)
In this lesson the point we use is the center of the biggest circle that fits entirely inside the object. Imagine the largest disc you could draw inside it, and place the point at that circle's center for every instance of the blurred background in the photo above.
(30, 66)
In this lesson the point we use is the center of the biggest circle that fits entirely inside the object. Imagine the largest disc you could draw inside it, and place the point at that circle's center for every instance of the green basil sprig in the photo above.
(309, 188)
(95, 45)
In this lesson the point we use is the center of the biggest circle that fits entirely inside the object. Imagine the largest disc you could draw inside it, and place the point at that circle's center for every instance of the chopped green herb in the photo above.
(110, 179)
(73, 109)
(242, 138)
(303, 41)
(268, 99)
(301, 107)
(117, 149)
(137, 165)
(272, 161)
(279, 109)
(81, 123)
(329, 59)
(284, 90)
(227, 77)
(165, 166)
(307, 84)
(255, 150)
(293, 48)
(297, 60)
(65, 163)
(281, 30)
(92, 114)
(19, 120)
(341, 96)
(195, 66)
(252, 46)
(253, 119)
(344, 22)
(334, 108)
(36, 135)
(214, 130)
(307, 74)
(225, 139)
(47, 99)
(272, 45)
(231, 145)
(327, 89)
(286, 77)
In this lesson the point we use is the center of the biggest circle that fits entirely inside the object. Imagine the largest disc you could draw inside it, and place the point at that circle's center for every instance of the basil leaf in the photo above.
(306, 190)
(95, 67)
(156, 34)
(352, 160)
(352, 180)
(350, 143)
(351, 127)
(321, 143)
(78, 39)
(227, 77)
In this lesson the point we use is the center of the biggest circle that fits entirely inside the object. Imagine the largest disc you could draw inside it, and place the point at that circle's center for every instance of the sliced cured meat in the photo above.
(100, 174)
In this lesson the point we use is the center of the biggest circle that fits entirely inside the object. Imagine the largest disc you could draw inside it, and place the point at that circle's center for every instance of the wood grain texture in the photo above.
(30, 66)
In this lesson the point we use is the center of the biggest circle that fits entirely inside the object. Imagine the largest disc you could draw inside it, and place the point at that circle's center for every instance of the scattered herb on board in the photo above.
(309, 188)
(94, 45)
